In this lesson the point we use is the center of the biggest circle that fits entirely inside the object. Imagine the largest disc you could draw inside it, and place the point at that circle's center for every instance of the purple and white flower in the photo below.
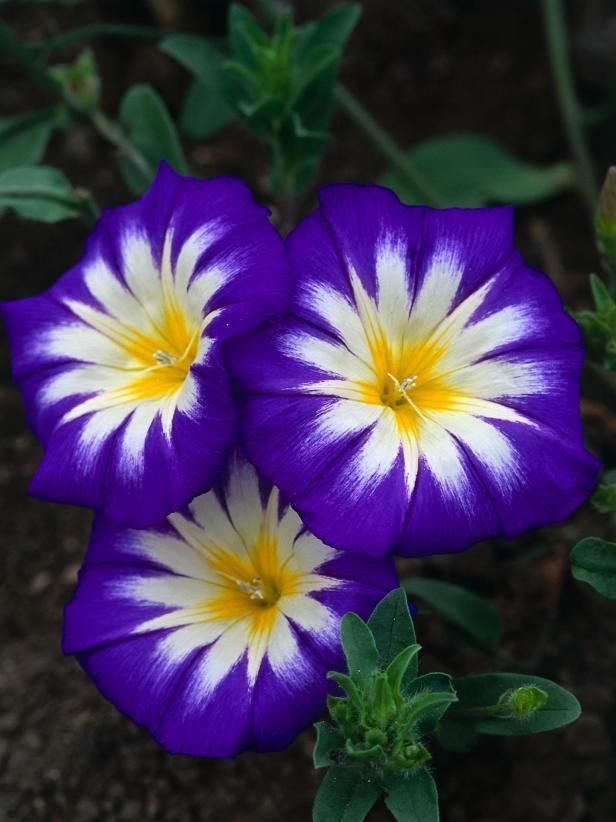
(216, 629)
(423, 391)
(119, 362)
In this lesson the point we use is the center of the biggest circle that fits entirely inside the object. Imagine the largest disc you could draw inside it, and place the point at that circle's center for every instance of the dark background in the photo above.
(423, 69)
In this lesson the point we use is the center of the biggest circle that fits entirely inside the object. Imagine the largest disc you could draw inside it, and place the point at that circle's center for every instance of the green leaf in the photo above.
(329, 740)
(39, 193)
(397, 669)
(359, 648)
(461, 608)
(24, 138)
(604, 498)
(593, 560)
(393, 631)
(473, 170)
(601, 295)
(434, 683)
(149, 126)
(245, 35)
(412, 798)
(206, 108)
(428, 703)
(477, 693)
(348, 686)
(317, 55)
(204, 112)
(344, 796)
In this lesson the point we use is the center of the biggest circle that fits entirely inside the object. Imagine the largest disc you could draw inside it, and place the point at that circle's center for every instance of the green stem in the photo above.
(383, 142)
(45, 47)
(381, 139)
(107, 128)
(473, 713)
(570, 110)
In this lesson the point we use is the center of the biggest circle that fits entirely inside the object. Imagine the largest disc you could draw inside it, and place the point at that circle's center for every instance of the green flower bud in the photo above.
(606, 211)
(374, 736)
(80, 80)
(409, 755)
(523, 701)
(383, 706)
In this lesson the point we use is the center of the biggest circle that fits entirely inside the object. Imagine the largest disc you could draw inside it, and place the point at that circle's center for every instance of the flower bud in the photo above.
(523, 701)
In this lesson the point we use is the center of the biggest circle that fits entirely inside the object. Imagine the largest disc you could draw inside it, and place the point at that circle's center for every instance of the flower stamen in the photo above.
(165, 358)
(407, 384)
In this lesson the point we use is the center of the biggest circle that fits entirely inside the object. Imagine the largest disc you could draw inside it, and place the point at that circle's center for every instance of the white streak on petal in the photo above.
(98, 428)
(117, 301)
(244, 501)
(193, 248)
(223, 655)
(345, 417)
(135, 433)
(435, 298)
(498, 377)
(213, 525)
(140, 271)
(392, 283)
(282, 649)
(487, 443)
(165, 549)
(379, 452)
(165, 590)
(311, 615)
(444, 460)
(311, 553)
(77, 341)
(181, 643)
(509, 325)
(339, 314)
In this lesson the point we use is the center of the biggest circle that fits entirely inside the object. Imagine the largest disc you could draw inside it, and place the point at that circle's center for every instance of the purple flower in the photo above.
(119, 362)
(423, 392)
(215, 630)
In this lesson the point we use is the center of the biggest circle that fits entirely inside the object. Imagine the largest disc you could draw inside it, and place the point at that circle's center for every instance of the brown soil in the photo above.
(423, 68)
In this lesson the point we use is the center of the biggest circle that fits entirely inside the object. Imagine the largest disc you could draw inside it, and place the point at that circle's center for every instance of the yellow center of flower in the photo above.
(407, 378)
(253, 583)
(161, 359)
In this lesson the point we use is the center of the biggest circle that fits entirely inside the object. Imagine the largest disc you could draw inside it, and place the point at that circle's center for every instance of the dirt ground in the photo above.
(423, 68)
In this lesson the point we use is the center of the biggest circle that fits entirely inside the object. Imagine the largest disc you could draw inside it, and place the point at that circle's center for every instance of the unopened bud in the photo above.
(522, 701)
(606, 211)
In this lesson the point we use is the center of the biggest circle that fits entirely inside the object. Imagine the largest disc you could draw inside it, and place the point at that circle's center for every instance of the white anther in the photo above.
(164, 358)
(253, 588)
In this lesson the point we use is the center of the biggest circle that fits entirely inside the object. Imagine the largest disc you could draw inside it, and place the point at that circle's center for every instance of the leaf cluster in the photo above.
(280, 84)
(598, 326)
(376, 743)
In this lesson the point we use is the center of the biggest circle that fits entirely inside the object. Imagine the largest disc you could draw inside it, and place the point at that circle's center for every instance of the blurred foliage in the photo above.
(471, 170)
(473, 615)
(593, 561)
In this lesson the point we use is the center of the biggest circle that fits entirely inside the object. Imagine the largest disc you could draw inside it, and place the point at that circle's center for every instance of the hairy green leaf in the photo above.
(344, 795)
(479, 697)
(359, 648)
(329, 740)
(412, 798)
(393, 631)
